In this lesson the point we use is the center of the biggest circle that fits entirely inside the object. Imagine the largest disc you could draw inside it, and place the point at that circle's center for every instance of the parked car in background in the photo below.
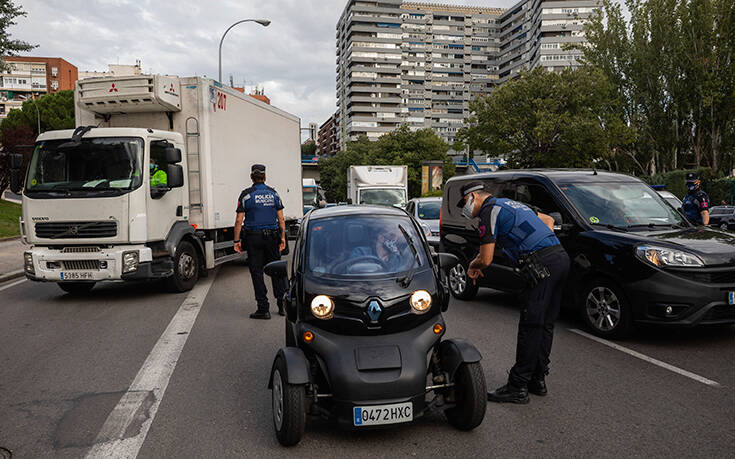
(722, 217)
(426, 211)
(670, 198)
(634, 258)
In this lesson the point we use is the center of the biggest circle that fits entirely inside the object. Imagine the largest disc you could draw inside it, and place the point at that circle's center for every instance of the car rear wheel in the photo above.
(460, 283)
(289, 407)
(471, 397)
(76, 288)
(605, 309)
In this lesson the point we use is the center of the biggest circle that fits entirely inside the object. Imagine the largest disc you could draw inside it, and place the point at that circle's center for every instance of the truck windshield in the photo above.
(309, 196)
(93, 164)
(621, 205)
(383, 197)
(363, 245)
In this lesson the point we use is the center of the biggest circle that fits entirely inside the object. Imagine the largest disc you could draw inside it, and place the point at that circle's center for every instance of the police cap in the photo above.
(258, 168)
(692, 177)
(468, 188)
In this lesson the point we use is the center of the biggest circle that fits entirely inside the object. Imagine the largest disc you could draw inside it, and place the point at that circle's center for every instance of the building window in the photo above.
(54, 71)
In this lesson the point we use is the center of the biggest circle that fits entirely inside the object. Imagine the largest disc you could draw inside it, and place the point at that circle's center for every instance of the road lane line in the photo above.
(648, 359)
(12, 284)
(141, 401)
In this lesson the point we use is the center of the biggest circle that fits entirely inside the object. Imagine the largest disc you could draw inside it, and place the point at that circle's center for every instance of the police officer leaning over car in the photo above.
(265, 237)
(528, 239)
(696, 202)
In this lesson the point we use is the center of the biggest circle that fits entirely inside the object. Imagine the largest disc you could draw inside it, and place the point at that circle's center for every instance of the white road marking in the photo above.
(648, 359)
(12, 284)
(150, 383)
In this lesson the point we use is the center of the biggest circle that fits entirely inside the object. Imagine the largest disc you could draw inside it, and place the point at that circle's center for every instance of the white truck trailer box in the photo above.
(378, 185)
(82, 225)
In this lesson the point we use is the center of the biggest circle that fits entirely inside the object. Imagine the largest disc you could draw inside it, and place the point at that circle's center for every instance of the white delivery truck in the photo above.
(378, 185)
(147, 185)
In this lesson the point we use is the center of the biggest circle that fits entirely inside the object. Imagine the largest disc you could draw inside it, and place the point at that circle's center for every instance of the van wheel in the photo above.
(605, 310)
(186, 268)
(471, 394)
(289, 407)
(76, 288)
(460, 284)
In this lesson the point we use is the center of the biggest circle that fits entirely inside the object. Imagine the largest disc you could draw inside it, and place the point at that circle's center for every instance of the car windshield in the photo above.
(429, 210)
(622, 205)
(92, 164)
(383, 197)
(357, 245)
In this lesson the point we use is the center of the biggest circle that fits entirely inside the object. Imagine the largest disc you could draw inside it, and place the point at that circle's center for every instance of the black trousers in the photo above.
(263, 249)
(539, 310)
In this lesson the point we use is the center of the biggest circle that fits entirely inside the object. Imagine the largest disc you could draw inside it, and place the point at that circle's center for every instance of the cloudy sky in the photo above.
(293, 59)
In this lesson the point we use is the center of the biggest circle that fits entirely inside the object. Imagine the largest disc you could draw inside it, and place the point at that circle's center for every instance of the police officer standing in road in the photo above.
(528, 239)
(696, 202)
(265, 237)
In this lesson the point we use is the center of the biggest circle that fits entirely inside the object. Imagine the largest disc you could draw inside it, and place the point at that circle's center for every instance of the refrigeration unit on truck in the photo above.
(378, 185)
(147, 185)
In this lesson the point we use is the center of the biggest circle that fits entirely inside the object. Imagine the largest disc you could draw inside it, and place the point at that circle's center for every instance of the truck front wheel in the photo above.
(76, 288)
(186, 268)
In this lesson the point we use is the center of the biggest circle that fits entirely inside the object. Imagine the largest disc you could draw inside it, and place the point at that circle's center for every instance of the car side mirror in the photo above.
(276, 268)
(447, 260)
(173, 155)
(174, 175)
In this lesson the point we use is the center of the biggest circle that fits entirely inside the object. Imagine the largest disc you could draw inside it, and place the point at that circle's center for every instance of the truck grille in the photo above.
(81, 265)
(76, 230)
(80, 249)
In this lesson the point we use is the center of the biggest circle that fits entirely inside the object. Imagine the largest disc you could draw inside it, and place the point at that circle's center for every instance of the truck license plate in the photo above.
(383, 414)
(731, 298)
(77, 275)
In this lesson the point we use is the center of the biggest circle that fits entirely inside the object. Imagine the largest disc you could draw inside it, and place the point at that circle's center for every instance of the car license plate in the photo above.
(383, 414)
(731, 298)
(77, 275)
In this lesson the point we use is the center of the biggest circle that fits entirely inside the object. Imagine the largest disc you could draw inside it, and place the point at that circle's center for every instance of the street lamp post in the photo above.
(38, 118)
(263, 22)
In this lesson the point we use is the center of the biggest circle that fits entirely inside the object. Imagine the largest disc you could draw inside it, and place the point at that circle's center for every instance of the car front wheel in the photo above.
(460, 283)
(605, 309)
(289, 407)
(471, 397)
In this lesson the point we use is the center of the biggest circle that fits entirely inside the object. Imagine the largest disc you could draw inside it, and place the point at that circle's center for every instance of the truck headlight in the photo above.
(28, 263)
(420, 301)
(130, 262)
(322, 307)
(666, 256)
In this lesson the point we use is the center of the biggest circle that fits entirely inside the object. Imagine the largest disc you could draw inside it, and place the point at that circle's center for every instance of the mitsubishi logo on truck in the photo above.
(113, 88)
(170, 90)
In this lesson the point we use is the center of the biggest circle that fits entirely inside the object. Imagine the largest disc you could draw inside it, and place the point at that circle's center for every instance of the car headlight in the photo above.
(420, 301)
(322, 307)
(130, 262)
(28, 263)
(665, 256)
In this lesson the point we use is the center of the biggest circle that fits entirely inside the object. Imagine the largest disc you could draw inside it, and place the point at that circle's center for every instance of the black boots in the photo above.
(509, 394)
(260, 315)
(537, 386)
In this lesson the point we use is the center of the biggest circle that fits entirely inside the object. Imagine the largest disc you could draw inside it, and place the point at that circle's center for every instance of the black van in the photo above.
(634, 258)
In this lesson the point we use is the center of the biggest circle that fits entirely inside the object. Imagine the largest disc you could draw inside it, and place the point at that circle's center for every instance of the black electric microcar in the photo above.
(364, 328)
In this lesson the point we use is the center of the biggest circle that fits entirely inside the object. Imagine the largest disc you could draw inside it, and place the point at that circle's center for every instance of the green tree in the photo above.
(308, 148)
(399, 147)
(8, 46)
(547, 119)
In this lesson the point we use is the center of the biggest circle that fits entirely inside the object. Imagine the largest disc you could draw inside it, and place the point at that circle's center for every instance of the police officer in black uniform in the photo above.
(696, 203)
(265, 237)
(527, 238)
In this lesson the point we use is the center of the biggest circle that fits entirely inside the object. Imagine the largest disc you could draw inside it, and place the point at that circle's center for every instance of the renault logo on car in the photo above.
(374, 311)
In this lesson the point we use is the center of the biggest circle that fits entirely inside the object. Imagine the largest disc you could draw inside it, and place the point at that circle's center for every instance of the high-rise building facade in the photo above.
(32, 77)
(420, 64)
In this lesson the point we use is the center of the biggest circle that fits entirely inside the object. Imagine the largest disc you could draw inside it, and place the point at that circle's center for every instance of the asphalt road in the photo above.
(66, 364)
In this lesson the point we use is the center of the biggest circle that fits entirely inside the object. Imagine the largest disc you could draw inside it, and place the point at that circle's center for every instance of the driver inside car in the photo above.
(385, 247)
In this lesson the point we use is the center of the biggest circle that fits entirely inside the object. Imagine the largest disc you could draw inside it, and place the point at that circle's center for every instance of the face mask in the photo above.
(153, 167)
(468, 208)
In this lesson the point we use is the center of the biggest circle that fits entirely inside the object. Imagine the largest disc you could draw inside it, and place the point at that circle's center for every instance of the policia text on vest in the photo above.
(528, 239)
(261, 210)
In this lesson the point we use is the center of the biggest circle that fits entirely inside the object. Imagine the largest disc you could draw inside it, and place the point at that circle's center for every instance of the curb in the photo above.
(10, 238)
(11, 275)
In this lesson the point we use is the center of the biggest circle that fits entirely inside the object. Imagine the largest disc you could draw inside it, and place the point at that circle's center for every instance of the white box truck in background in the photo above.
(147, 185)
(378, 185)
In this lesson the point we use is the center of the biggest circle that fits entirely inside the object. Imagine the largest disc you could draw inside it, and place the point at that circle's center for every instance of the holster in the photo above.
(532, 270)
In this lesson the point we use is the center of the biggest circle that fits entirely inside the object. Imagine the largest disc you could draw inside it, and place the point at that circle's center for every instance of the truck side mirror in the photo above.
(174, 175)
(173, 155)
(16, 181)
(16, 161)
